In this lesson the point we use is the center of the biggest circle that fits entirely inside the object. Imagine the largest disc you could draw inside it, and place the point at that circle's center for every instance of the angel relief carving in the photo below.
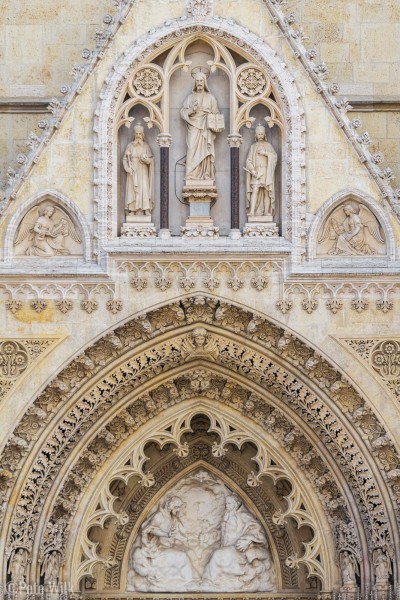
(351, 230)
(47, 231)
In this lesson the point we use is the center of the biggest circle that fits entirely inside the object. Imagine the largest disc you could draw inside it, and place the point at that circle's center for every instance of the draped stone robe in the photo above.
(200, 158)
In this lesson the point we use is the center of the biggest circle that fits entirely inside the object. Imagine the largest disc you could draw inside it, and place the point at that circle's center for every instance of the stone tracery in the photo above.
(229, 317)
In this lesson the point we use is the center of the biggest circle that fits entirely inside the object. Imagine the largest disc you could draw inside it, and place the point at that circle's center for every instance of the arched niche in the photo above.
(354, 215)
(48, 226)
(248, 94)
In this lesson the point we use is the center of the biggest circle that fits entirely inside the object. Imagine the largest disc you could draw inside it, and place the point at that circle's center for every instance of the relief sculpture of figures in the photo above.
(383, 567)
(358, 234)
(260, 176)
(203, 120)
(45, 231)
(18, 566)
(201, 538)
(51, 567)
(349, 569)
(138, 163)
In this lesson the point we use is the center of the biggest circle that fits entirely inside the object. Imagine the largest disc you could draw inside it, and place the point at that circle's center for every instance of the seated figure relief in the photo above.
(351, 230)
(47, 231)
(200, 538)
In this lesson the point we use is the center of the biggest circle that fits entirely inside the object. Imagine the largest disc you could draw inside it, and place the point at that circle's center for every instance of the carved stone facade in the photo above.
(199, 299)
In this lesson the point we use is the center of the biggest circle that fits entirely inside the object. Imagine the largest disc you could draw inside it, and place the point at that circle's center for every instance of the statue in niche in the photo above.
(382, 565)
(203, 120)
(260, 176)
(18, 566)
(198, 344)
(138, 163)
(51, 567)
(200, 538)
(349, 569)
(356, 234)
(47, 229)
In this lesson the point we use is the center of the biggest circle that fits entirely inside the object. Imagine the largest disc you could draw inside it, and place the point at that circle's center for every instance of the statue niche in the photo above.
(200, 538)
(185, 96)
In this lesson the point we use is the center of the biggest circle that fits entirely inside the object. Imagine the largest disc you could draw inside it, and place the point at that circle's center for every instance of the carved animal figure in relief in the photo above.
(51, 567)
(351, 234)
(203, 120)
(18, 566)
(138, 163)
(349, 568)
(383, 567)
(46, 229)
(199, 344)
(260, 176)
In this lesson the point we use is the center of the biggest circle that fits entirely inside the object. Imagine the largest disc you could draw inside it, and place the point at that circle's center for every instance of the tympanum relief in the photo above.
(351, 230)
(200, 96)
(47, 231)
(201, 538)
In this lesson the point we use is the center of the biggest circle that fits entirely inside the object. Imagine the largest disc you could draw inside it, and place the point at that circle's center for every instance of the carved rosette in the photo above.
(251, 82)
(147, 82)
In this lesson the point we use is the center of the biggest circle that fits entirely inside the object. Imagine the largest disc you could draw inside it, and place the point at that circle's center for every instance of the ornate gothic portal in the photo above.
(199, 308)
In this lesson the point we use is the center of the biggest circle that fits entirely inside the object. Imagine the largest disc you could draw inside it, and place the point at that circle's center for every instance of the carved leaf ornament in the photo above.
(246, 345)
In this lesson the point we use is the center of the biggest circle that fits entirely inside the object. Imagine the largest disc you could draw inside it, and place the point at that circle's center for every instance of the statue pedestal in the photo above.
(260, 227)
(381, 588)
(199, 224)
(139, 226)
(349, 591)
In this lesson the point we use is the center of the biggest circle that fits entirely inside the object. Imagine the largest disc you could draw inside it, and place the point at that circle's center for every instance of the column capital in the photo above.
(164, 140)
(234, 140)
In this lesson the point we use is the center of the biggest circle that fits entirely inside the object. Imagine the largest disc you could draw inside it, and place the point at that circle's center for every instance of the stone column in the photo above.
(234, 141)
(164, 140)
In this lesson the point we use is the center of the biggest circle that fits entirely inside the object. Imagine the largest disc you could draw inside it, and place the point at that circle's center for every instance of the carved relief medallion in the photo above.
(47, 231)
(147, 82)
(351, 230)
(251, 82)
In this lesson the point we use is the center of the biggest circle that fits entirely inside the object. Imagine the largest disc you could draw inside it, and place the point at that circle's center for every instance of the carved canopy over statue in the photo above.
(200, 538)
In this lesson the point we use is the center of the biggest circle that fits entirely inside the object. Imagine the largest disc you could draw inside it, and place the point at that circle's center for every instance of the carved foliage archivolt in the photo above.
(237, 357)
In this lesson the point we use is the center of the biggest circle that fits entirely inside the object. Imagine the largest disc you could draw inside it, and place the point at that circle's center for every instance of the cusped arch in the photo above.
(140, 352)
(232, 429)
(59, 199)
(245, 43)
(358, 196)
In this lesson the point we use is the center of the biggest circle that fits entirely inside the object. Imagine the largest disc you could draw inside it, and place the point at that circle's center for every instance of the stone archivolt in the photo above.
(272, 359)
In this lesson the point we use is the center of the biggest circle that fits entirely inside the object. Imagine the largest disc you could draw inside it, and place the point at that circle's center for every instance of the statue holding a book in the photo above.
(203, 120)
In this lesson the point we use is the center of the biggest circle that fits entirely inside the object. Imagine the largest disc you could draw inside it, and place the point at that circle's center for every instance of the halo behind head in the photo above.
(200, 72)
